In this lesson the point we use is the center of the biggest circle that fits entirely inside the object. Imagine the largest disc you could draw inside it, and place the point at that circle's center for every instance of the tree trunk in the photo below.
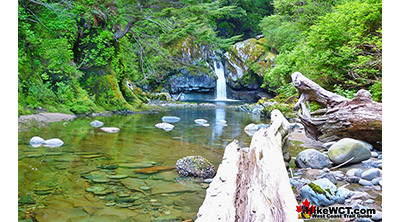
(253, 185)
(358, 118)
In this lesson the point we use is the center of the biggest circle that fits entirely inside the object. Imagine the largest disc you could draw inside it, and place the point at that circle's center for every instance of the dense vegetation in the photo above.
(338, 44)
(76, 56)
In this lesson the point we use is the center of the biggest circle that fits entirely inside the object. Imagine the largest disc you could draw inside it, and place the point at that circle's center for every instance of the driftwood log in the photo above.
(358, 118)
(252, 185)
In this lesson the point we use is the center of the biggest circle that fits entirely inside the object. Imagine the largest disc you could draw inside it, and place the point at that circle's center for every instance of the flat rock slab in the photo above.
(47, 117)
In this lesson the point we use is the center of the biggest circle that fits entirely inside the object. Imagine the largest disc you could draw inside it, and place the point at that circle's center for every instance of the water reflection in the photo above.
(220, 123)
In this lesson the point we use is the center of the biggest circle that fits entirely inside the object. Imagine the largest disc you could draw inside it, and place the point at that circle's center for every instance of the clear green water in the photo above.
(57, 178)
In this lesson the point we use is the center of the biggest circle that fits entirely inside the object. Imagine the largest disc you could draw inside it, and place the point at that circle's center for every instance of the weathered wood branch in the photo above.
(358, 118)
(253, 185)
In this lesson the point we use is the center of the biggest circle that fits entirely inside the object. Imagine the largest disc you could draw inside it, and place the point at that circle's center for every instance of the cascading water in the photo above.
(221, 83)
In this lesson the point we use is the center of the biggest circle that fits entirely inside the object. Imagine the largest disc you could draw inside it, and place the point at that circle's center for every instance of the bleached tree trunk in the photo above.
(358, 118)
(253, 185)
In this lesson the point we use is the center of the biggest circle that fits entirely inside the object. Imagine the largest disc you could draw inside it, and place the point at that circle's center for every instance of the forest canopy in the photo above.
(75, 56)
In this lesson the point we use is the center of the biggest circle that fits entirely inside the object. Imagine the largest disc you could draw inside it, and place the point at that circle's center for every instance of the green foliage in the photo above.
(245, 17)
(341, 51)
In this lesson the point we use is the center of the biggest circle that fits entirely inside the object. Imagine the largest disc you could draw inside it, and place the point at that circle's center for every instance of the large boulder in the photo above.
(312, 158)
(195, 166)
(323, 193)
(348, 148)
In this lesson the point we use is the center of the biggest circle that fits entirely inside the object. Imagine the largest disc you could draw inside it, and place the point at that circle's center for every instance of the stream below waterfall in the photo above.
(94, 175)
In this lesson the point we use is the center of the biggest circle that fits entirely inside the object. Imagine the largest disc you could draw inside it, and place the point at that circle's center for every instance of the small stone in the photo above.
(170, 119)
(36, 141)
(96, 124)
(200, 121)
(369, 201)
(354, 172)
(371, 174)
(353, 179)
(100, 180)
(326, 170)
(110, 129)
(110, 204)
(377, 216)
(165, 126)
(365, 182)
(121, 176)
(124, 205)
(145, 188)
(55, 142)
(374, 154)
(376, 181)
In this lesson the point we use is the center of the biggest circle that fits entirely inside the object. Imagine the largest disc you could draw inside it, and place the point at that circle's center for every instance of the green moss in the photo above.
(318, 189)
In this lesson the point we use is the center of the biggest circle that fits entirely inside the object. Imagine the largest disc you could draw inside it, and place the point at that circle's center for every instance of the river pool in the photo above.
(94, 175)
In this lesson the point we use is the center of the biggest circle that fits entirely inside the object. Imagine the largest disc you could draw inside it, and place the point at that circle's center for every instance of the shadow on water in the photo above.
(96, 176)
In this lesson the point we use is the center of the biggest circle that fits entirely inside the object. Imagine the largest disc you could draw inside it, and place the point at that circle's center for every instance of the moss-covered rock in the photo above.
(246, 63)
(195, 166)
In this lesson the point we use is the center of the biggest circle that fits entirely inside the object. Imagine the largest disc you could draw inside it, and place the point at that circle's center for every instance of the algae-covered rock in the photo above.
(195, 166)
(348, 148)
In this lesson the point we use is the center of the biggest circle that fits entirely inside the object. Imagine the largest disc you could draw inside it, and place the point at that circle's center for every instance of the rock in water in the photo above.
(165, 126)
(97, 124)
(110, 129)
(36, 141)
(55, 142)
(200, 121)
(170, 119)
(347, 148)
(195, 166)
(312, 158)
(251, 129)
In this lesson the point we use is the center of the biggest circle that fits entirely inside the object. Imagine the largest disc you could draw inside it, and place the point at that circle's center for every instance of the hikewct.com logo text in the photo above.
(307, 211)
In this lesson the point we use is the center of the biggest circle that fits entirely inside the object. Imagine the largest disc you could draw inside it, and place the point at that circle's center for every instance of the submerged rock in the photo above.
(96, 124)
(312, 158)
(55, 142)
(26, 199)
(110, 129)
(348, 148)
(170, 119)
(165, 126)
(195, 166)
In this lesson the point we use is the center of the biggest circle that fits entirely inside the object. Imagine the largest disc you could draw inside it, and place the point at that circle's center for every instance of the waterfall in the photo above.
(221, 83)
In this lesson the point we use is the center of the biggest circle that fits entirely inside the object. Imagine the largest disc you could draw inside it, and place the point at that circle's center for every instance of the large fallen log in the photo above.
(253, 185)
(358, 118)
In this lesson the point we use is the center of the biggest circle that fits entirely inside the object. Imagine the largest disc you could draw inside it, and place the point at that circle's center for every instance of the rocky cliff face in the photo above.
(192, 81)
(245, 64)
